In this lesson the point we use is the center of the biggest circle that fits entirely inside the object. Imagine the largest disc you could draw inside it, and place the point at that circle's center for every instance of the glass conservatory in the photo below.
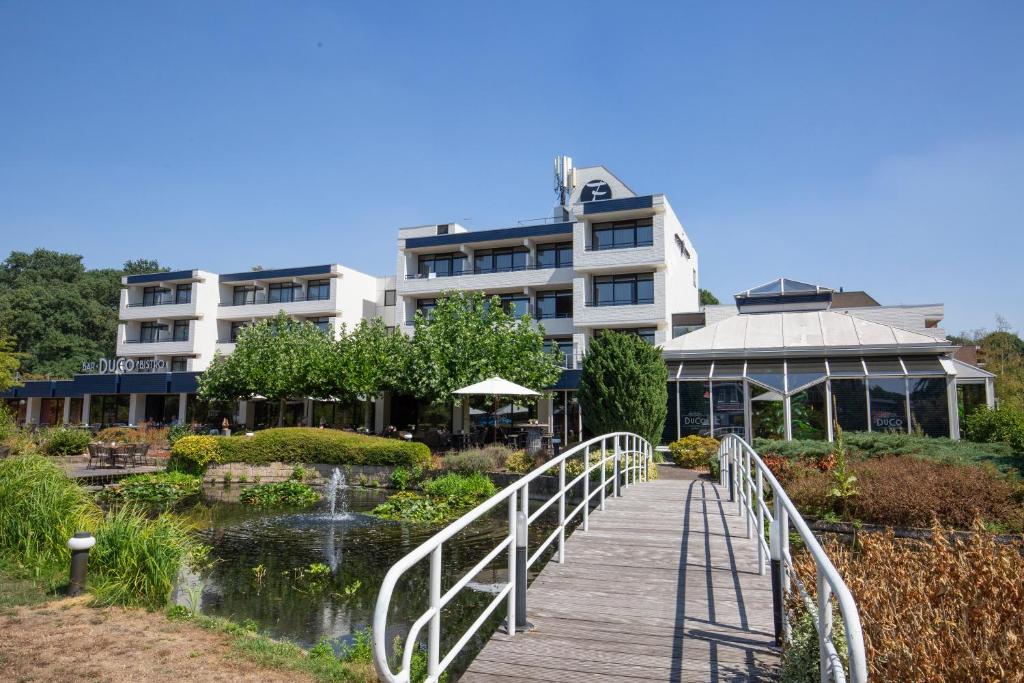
(801, 398)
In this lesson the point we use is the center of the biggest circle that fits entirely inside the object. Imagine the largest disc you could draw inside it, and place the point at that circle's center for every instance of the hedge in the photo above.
(297, 445)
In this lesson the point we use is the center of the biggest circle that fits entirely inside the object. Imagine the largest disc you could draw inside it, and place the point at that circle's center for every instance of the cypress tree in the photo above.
(623, 387)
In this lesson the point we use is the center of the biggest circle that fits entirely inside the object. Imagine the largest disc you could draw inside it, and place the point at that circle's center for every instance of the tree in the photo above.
(623, 387)
(142, 266)
(707, 298)
(277, 358)
(9, 362)
(1002, 351)
(469, 338)
(375, 358)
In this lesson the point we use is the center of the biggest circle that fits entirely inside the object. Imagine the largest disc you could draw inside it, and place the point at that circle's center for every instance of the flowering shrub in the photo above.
(694, 452)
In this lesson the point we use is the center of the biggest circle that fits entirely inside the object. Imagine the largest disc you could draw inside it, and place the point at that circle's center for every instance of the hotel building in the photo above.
(788, 359)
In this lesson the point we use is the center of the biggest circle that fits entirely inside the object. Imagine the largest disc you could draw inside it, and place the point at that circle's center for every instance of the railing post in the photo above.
(824, 625)
(784, 541)
(732, 472)
(723, 466)
(586, 488)
(522, 542)
(615, 482)
(775, 546)
(604, 482)
(434, 637)
(561, 512)
(513, 556)
(747, 493)
(760, 522)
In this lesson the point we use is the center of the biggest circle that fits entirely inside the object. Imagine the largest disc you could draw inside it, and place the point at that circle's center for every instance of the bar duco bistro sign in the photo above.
(121, 366)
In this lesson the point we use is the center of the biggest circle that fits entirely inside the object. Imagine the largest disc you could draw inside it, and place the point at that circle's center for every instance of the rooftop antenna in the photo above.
(565, 178)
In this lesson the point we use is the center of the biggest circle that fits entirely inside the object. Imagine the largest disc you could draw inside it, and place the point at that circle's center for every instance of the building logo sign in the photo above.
(595, 190)
(120, 366)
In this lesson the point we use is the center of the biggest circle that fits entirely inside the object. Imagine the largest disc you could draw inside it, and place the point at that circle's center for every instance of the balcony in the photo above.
(618, 313)
(259, 305)
(513, 277)
(155, 345)
(162, 307)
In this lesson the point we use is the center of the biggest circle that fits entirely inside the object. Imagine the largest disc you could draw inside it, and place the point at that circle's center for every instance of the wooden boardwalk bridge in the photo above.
(664, 586)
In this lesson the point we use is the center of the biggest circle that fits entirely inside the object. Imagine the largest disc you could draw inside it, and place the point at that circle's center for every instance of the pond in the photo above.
(265, 571)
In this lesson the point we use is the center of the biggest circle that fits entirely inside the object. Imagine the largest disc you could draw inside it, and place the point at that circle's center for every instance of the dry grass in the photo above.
(65, 641)
(939, 610)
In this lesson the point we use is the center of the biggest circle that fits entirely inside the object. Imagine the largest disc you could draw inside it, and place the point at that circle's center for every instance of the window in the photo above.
(236, 328)
(680, 330)
(768, 373)
(554, 255)
(623, 234)
(150, 332)
(516, 305)
(645, 333)
(850, 404)
(180, 330)
(183, 294)
(244, 294)
(179, 363)
(318, 290)
(807, 413)
(728, 399)
(801, 373)
(323, 323)
(554, 304)
(500, 260)
(442, 265)
(442, 229)
(390, 329)
(426, 307)
(767, 413)
(929, 409)
(888, 404)
(694, 408)
(623, 290)
(563, 345)
(389, 297)
(282, 292)
(154, 296)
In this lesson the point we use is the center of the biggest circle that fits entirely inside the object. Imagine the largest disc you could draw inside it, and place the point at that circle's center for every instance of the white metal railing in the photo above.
(748, 477)
(631, 456)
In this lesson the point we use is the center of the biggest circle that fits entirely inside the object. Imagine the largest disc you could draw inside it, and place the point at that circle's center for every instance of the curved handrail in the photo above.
(631, 455)
(736, 456)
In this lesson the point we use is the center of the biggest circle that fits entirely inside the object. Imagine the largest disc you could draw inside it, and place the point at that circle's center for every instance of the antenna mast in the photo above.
(565, 178)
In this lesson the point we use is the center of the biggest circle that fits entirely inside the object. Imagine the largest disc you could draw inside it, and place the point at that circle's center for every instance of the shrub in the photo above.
(119, 434)
(694, 452)
(304, 444)
(460, 489)
(160, 488)
(519, 462)
(136, 560)
(65, 441)
(8, 425)
(800, 662)
(999, 425)
(193, 453)
(404, 477)
(940, 610)
(623, 387)
(488, 459)
(289, 493)
(909, 491)
(177, 432)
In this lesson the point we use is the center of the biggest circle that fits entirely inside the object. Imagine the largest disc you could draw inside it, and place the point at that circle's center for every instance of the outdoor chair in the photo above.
(141, 453)
(94, 454)
(124, 454)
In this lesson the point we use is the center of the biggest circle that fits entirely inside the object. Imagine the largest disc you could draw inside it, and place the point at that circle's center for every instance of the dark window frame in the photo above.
(318, 290)
(559, 296)
(183, 293)
(633, 279)
(629, 234)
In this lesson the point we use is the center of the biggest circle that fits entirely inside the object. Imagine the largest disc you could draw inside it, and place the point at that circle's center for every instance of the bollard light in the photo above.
(79, 545)
(522, 527)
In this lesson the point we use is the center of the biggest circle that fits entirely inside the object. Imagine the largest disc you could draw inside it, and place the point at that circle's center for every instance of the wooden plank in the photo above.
(664, 586)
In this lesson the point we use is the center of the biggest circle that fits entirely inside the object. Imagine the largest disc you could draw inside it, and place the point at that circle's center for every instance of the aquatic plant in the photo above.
(279, 494)
(158, 488)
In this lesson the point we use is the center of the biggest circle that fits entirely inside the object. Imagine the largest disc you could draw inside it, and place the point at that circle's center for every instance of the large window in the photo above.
(442, 265)
(183, 294)
(694, 408)
(426, 307)
(728, 399)
(500, 260)
(554, 304)
(154, 296)
(180, 330)
(888, 404)
(645, 333)
(243, 294)
(554, 255)
(808, 413)
(517, 305)
(767, 413)
(236, 329)
(562, 344)
(151, 332)
(318, 290)
(623, 234)
(179, 363)
(282, 292)
(623, 290)
(929, 407)
(109, 410)
(850, 404)
(323, 324)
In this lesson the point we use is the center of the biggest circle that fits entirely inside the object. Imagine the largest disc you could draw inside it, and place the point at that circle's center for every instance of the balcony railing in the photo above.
(262, 298)
(488, 271)
(161, 301)
(621, 302)
(553, 316)
(157, 339)
(609, 247)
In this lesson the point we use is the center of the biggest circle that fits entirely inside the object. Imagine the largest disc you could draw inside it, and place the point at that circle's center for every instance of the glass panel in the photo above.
(460, 264)
(645, 290)
(929, 410)
(727, 368)
(767, 413)
(564, 255)
(389, 297)
(808, 414)
(728, 408)
(694, 408)
(602, 238)
(845, 367)
(502, 261)
(624, 292)
(888, 405)
(696, 370)
(482, 262)
(770, 288)
(803, 372)
(850, 405)
(183, 294)
(442, 266)
(519, 259)
(563, 305)
(668, 432)
(545, 307)
(884, 366)
(970, 397)
(796, 286)
(928, 365)
(547, 257)
(644, 234)
(768, 373)
(624, 236)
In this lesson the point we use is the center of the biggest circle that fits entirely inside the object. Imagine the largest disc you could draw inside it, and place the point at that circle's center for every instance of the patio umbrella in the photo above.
(495, 387)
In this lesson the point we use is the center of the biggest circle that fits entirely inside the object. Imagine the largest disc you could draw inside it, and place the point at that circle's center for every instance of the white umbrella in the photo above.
(495, 386)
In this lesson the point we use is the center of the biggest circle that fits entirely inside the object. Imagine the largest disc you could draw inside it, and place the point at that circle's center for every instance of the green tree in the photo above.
(707, 298)
(623, 387)
(142, 266)
(1002, 351)
(9, 362)
(277, 358)
(469, 338)
(374, 359)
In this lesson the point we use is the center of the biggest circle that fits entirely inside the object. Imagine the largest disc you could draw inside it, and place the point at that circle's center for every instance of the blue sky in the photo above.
(876, 146)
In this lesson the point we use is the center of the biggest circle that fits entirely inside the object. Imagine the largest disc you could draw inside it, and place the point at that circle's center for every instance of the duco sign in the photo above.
(120, 366)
